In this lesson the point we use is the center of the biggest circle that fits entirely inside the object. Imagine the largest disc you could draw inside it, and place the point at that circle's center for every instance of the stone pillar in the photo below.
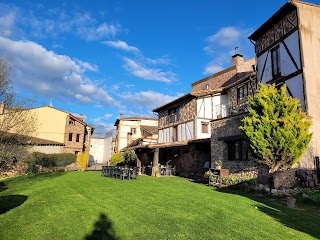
(139, 166)
(155, 161)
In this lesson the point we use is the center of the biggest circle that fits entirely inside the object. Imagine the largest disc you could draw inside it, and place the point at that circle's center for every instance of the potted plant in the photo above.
(218, 164)
(157, 173)
(291, 202)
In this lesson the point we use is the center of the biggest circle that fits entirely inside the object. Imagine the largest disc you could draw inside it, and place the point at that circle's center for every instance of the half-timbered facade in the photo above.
(184, 124)
(287, 49)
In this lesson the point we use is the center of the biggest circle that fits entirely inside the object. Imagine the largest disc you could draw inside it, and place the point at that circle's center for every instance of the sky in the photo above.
(106, 58)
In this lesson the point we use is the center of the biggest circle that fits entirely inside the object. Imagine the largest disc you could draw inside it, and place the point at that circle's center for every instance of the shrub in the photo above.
(48, 160)
(83, 158)
(115, 159)
(63, 159)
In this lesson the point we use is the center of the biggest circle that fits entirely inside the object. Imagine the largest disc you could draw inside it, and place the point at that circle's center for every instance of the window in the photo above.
(174, 114)
(207, 86)
(205, 127)
(133, 131)
(70, 137)
(242, 93)
(275, 59)
(237, 150)
(71, 121)
(78, 138)
(76, 153)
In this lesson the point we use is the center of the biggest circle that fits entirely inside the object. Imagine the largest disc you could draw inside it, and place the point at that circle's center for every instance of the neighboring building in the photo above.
(100, 150)
(287, 49)
(184, 124)
(130, 129)
(64, 128)
(227, 142)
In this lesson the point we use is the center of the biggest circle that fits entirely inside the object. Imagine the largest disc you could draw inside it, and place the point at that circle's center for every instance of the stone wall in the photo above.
(216, 80)
(75, 127)
(189, 160)
(187, 111)
(228, 128)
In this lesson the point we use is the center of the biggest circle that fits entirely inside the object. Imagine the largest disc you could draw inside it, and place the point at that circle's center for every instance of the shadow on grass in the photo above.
(103, 230)
(11, 201)
(303, 218)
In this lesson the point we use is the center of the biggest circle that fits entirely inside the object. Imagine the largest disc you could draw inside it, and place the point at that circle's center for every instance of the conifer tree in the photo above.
(276, 128)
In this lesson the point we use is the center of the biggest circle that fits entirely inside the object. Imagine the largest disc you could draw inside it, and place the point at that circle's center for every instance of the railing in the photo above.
(228, 109)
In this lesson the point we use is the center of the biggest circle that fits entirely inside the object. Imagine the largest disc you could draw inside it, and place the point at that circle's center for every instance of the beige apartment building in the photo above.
(130, 129)
(66, 132)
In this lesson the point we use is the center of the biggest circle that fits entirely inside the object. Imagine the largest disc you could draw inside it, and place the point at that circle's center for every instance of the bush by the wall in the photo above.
(83, 158)
(116, 158)
(63, 159)
(49, 160)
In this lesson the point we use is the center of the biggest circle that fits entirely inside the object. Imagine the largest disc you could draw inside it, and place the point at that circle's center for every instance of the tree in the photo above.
(82, 159)
(276, 128)
(116, 158)
(130, 156)
(17, 124)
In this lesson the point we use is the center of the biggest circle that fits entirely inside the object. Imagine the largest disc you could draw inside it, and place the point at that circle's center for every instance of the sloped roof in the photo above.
(71, 115)
(133, 118)
(150, 129)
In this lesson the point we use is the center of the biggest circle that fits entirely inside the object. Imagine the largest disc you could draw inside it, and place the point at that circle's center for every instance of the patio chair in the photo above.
(124, 173)
(134, 173)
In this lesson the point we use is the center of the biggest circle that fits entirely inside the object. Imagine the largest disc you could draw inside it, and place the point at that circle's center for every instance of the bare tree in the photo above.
(17, 124)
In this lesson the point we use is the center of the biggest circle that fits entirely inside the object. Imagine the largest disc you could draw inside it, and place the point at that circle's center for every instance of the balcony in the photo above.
(228, 109)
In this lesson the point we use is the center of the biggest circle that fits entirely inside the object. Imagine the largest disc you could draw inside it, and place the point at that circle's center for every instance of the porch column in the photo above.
(155, 161)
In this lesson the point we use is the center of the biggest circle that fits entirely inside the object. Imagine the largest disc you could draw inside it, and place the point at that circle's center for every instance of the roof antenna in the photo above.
(50, 103)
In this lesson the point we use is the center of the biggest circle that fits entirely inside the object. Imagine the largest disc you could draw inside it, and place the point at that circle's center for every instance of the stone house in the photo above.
(62, 127)
(184, 124)
(287, 48)
(227, 142)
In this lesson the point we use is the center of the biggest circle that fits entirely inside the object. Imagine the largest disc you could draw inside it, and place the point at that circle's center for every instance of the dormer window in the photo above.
(207, 86)
(275, 59)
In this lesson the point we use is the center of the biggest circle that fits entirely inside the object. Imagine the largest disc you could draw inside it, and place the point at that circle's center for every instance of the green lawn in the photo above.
(84, 205)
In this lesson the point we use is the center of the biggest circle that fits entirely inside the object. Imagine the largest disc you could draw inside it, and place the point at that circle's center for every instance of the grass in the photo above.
(84, 205)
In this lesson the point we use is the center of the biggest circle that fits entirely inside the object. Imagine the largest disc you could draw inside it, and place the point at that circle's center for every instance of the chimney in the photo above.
(121, 115)
(81, 117)
(237, 58)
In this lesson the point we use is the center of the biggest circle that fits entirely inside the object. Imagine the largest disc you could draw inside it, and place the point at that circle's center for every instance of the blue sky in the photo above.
(103, 58)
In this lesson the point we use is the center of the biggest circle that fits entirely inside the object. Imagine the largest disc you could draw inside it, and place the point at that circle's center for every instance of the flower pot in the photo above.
(218, 167)
(291, 202)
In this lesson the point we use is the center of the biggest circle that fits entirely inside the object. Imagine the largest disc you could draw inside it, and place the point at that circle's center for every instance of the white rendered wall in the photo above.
(100, 151)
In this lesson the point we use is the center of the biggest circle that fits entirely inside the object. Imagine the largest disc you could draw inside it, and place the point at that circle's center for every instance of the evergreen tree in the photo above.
(276, 128)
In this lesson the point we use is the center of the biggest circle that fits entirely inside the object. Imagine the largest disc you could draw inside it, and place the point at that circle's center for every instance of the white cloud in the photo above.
(227, 36)
(7, 21)
(103, 129)
(121, 45)
(87, 66)
(108, 115)
(221, 45)
(45, 73)
(140, 71)
(55, 22)
(210, 69)
(149, 99)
